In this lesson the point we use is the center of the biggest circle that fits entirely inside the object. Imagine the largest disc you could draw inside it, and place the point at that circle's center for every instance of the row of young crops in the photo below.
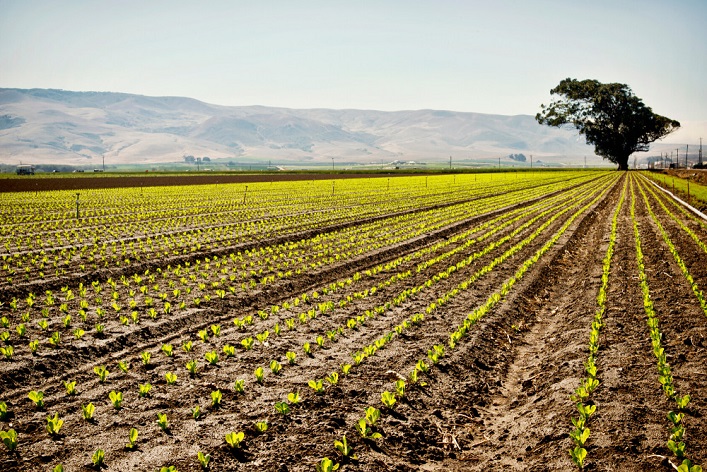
(207, 357)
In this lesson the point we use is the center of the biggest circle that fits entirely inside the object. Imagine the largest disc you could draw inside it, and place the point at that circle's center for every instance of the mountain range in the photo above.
(83, 128)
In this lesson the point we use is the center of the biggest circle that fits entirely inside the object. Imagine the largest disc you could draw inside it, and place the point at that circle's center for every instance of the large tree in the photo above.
(610, 116)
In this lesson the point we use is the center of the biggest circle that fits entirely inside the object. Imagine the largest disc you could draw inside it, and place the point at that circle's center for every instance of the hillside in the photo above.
(82, 128)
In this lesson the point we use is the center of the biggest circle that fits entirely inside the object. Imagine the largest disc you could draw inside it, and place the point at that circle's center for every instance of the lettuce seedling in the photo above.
(37, 398)
(400, 388)
(261, 426)
(388, 399)
(145, 356)
(192, 367)
(124, 366)
(7, 351)
(196, 412)
(580, 436)
(307, 349)
(21, 330)
(229, 350)
(327, 465)
(203, 459)
(55, 339)
(259, 375)
(682, 401)
(345, 368)
(247, 343)
(365, 431)
(132, 437)
(687, 466)
(168, 349)
(263, 337)
(54, 424)
(372, 415)
(4, 412)
(320, 342)
(33, 346)
(97, 458)
(100, 329)
(187, 346)
(291, 356)
(88, 411)
(145, 389)
(116, 399)
(344, 448)
(162, 422)
(677, 448)
(204, 335)
(216, 329)
(170, 378)
(102, 373)
(58, 468)
(216, 398)
(578, 455)
(239, 386)
(317, 386)
(333, 378)
(70, 388)
(211, 357)
(283, 408)
(275, 367)
(234, 440)
(9, 438)
(293, 398)
(78, 333)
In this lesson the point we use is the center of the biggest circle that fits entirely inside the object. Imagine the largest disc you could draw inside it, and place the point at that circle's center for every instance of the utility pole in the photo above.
(687, 150)
(499, 162)
(531, 161)
(677, 158)
(332, 164)
(700, 154)
(104, 162)
(450, 162)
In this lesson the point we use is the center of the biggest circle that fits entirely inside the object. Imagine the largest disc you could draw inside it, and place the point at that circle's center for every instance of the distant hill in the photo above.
(80, 128)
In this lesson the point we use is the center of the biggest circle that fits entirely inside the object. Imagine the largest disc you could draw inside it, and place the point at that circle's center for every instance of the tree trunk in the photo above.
(622, 161)
(623, 165)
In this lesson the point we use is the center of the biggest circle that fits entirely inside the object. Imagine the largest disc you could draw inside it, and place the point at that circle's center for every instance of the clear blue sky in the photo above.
(495, 56)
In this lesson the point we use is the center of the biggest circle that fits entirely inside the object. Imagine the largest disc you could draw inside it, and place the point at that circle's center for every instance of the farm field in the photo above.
(511, 321)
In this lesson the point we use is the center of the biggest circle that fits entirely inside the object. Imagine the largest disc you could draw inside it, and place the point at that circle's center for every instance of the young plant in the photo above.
(132, 438)
(9, 438)
(37, 398)
(211, 357)
(70, 388)
(317, 386)
(275, 367)
(98, 458)
(168, 349)
(162, 422)
(187, 346)
(203, 459)
(283, 408)
(345, 368)
(259, 375)
(170, 378)
(388, 399)
(344, 448)
(216, 398)
(145, 390)
(400, 388)
(261, 426)
(372, 415)
(7, 351)
(4, 412)
(333, 378)
(33, 346)
(290, 357)
(307, 349)
(204, 336)
(101, 372)
(365, 431)
(54, 424)
(88, 411)
(229, 350)
(116, 398)
(239, 386)
(327, 465)
(192, 367)
(145, 356)
(293, 398)
(247, 343)
(196, 412)
(234, 440)
(78, 333)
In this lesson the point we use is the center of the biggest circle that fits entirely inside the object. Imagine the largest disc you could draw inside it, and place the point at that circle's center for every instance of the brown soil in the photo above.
(500, 400)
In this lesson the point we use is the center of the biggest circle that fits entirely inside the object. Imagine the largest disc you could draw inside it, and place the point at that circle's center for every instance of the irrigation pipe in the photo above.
(685, 204)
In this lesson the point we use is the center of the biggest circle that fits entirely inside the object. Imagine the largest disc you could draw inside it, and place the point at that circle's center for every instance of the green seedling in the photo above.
(55, 339)
(116, 399)
(400, 388)
(283, 408)
(229, 350)
(216, 398)
(261, 426)
(687, 466)
(196, 412)
(124, 366)
(291, 356)
(203, 459)
(145, 389)
(33, 346)
(192, 367)
(344, 448)
(37, 398)
(216, 330)
(307, 349)
(204, 336)
(578, 455)
(7, 351)
(327, 465)
(247, 343)
(345, 369)
(4, 412)
(170, 378)
(259, 375)
(365, 431)
(388, 399)
(293, 398)
(187, 346)
(100, 330)
(169, 468)
(78, 333)
(263, 337)
(162, 422)
(70, 388)
(580, 436)
(275, 367)
(58, 468)
(102, 373)
(682, 401)
(9, 438)
(132, 438)
(98, 458)
(317, 386)
(320, 342)
(54, 424)
(211, 357)
(234, 440)
(677, 448)
(421, 366)
(88, 411)
(372, 415)
(333, 378)
(145, 356)
(168, 350)
(239, 386)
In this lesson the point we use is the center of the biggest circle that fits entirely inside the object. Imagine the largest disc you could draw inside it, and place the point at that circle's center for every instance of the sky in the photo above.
(493, 56)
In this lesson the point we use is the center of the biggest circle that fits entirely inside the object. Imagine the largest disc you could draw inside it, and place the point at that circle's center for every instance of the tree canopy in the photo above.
(610, 116)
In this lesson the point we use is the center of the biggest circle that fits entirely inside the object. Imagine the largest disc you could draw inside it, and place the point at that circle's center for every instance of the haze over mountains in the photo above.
(81, 128)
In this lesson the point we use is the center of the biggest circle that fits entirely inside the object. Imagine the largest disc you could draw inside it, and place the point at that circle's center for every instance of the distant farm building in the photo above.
(25, 169)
